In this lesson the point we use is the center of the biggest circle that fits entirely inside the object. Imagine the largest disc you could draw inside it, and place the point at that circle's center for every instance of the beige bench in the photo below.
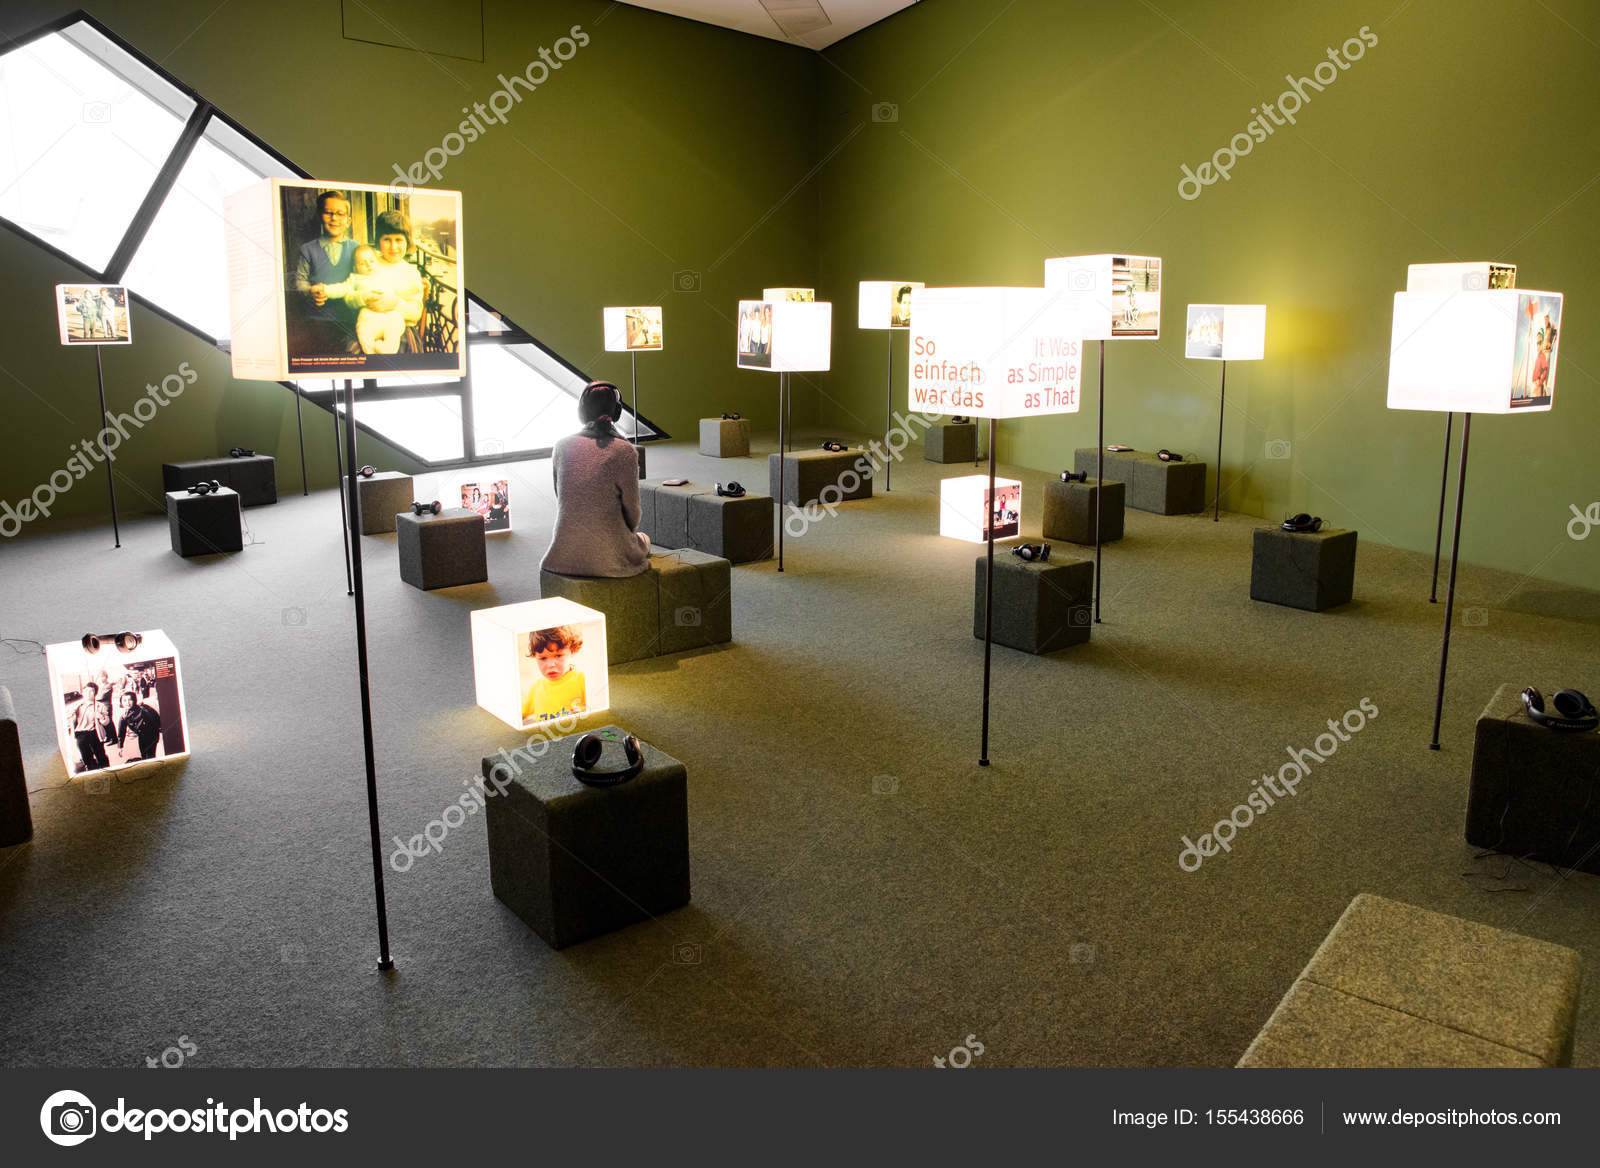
(1394, 985)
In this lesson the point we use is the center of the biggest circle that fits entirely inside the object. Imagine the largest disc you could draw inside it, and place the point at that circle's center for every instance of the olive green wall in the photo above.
(663, 146)
(1036, 128)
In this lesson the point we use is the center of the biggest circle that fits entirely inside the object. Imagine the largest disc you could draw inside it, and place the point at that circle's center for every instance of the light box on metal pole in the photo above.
(632, 331)
(1224, 332)
(886, 305)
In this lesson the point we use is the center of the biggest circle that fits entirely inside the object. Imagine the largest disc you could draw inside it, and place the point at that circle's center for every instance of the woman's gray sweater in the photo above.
(597, 507)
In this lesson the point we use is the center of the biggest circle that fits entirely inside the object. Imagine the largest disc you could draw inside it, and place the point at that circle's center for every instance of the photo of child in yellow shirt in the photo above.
(559, 690)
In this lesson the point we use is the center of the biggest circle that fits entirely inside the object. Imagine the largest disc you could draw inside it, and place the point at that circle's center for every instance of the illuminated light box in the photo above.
(885, 304)
(631, 330)
(114, 709)
(1490, 352)
(93, 314)
(994, 352)
(491, 499)
(785, 336)
(1118, 296)
(333, 279)
(1477, 276)
(796, 295)
(962, 510)
(540, 660)
(1226, 332)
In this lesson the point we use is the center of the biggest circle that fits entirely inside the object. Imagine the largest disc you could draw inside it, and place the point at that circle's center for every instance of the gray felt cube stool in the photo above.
(16, 820)
(443, 550)
(1038, 607)
(952, 442)
(631, 605)
(807, 473)
(1310, 570)
(1070, 510)
(254, 476)
(1394, 985)
(1119, 465)
(725, 437)
(575, 861)
(1167, 488)
(739, 530)
(202, 525)
(1528, 795)
(381, 498)
(664, 511)
(696, 600)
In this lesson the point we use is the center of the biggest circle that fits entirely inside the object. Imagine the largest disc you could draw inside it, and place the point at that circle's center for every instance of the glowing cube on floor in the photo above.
(538, 661)
(962, 508)
(117, 708)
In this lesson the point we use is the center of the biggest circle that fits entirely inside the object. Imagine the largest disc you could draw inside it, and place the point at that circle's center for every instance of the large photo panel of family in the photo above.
(562, 672)
(492, 500)
(119, 711)
(755, 334)
(372, 280)
(93, 314)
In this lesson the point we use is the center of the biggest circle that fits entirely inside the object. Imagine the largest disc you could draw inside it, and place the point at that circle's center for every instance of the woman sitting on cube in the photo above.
(597, 494)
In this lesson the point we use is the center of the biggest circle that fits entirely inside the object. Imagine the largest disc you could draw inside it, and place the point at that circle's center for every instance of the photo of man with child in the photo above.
(372, 279)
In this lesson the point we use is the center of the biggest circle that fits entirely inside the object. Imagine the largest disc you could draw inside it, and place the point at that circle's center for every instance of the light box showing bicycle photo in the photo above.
(632, 330)
(994, 352)
(118, 701)
(540, 660)
(1118, 296)
(331, 279)
(962, 510)
(1488, 352)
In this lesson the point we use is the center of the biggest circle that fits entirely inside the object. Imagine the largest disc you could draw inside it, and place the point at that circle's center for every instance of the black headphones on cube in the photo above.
(1168, 456)
(586, 756)
(1573, 711)
(127, 642)
(1031, 553)
(1068, 476)
(836, 447)
(733, 489)
(1303, 523)
(432, 508)
(367, 472)
(206, 487)
(240, 452)
(733, 417)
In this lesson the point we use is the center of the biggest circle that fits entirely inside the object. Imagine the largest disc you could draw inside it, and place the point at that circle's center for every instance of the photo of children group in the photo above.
(93, 314)
(372, 280)
(1006, 513)
(121, 712)
(755, 334)
(491, 500)
(1203, 336)
(554, 670)
(1533, 372)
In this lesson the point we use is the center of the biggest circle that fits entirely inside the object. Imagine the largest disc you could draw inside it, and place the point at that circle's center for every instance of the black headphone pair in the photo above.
(836, 447)
(1168, 456)
(613, 395)
(127, 642)
(240, 452)
(586, 755)
(1303, 523)
(207, 487)
(1032, 552)
(1573, 711)
(367, 472)
(958, 420)
(733, 417)
(731, 490)
(1068, 476)
(432, 508)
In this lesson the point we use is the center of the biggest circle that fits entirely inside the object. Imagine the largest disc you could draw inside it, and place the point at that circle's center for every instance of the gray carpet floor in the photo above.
(864, 893)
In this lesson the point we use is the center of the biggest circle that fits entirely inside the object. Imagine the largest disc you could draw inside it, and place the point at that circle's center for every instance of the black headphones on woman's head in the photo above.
(613, 396)
(587, 754)
(1574, 711)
